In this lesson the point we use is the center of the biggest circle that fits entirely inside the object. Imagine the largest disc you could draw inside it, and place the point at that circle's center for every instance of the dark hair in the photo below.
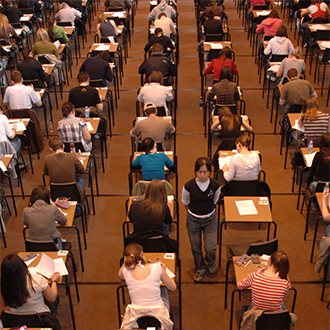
(282, 32)
(209, 14)
(14, 282)
(55, 143)
(50, 28)
(105, 55)
(6, 3)
(161, 15)
(147, 144)
(292, 73)
(244, 140)
(226, 73)
(67, 108)
(157, 48)
(226, 53)
(132, 254)
(156, 76)
(227, 119)
(273, 14)
(82, 77)
(16, 77)
(158, 30)
(201, 161)
(40, 192)
(150, 110)
(26, 52)
(280, 261)
(155, 200)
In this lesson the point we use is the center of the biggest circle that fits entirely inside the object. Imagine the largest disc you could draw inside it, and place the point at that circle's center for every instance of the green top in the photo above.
(45, 47)
(59, 32)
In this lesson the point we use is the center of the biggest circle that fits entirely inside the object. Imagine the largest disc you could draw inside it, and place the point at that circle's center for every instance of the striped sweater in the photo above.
(268, 293)
(318, 126)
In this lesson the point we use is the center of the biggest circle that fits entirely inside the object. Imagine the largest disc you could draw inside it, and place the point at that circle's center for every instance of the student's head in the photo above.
(292, 73)
(227, 119)
(101, 18)
(157, 48)
(39, 192)
(310, 108)
(16, 77)
(209, 14)
(63, 5)
(147, 144)
(280, 261)
(43, 35)
(156, 191)
(282, 32)
(7, 3)
(273, 14)
(161, 15)
(244, 140)
(13, 281)
(133, 255)
(26, 52)
(67, 108)
(297, 52)
(156, 76)
(226, 73)
(150, 108)
(325, 141)
(104, 55)
(315, 1)
(203, 161)
(158, 31)
(83, 77)
(226, 52)
(56, 143)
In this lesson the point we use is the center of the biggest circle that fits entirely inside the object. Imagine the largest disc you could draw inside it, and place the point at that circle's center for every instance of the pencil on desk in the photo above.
(247, 263)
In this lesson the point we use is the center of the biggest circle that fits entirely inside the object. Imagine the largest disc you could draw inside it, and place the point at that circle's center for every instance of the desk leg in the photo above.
(294, 299)
(268, 229)
(220, 242)
(232, 309)
(226, 283)
(45, 116)
(314, 239)
(2, 231)
(12, 193)
(74, 274)
(92, 191)
(299, 191)
(68, 291)
(275, 228)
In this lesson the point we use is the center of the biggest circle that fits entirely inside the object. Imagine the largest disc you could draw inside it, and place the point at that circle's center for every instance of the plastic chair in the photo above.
(145, 322)
(274, 321)
(324, 60)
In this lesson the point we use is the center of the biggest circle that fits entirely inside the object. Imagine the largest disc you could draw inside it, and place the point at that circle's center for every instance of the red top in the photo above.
(268, 293)
(216, 65)
(319, 12)
(257, 2)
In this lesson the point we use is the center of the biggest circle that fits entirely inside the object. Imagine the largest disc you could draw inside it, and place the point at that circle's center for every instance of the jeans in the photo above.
(165, 298)
(327, 232)
(16, 143)
(207, 226)
(80, 182)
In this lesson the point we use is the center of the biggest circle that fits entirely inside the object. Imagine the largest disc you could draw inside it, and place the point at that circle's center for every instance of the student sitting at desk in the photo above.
(106, 27)
(151, 213)
(67, 13)
(269, 285)
(56, 32)
(325, 210)
(41, 217)
(320, 170)
(160, 38)
(8, 133)
(245, 165)
(270, 25)
(143, 283)
(152, 162)
(162, 7)
(166, 24)
(225, 59)
(280, 44)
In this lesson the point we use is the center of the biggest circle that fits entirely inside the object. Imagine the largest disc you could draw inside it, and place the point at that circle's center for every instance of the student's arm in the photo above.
(51, 291)
(215, 125)
(229, 173)
(115, 27)
(260, 28)
(86, 134)
(279, 73)
(35, 97)
(59, 216)
(325, 210)
(246, 125)
(120, 273)
(305, 12)
(168, 282)
(169, 164)
(98, 31)
(78, 166)
(99, 106)
(185, 198)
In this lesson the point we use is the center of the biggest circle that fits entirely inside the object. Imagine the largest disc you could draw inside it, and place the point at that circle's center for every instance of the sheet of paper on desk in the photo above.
(101, 48)
(153, 3)
(325, 44)
(263, 13)
(224, 161)
(65, 214)
(111, 40)
(318, 27)
(215, 46)
(246, 207)
(89, 126)
(119, 14)
(29, 262)
(170, 198)
(2, 166)
(24, 18)
(309, 159)
(19, 126)
(169, 273)
(274, 68)
(46, 266)
(60, 267)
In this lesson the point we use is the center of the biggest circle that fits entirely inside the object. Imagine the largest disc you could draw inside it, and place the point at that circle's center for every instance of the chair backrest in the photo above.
(232, 107)
(43, 59)
(263, 247)
(278, 57)
(295, 108)
(267, 38)
(97, 83)
(260, 7)
(62, 23)
(161, 111)
(320, 186)
(214, 37)
(145, 322)
(140, 188)
(78, 146)
(34, 246)
(322, 35)
(213, 53)
(35, 82)
(274, 321)
(106, 39)
(244, 188)
(11, 319)
(326, 56)
(65, 190)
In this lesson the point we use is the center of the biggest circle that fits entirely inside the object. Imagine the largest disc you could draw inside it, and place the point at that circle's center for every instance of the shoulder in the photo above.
(40, 281)
(190, 184)
(214, 184)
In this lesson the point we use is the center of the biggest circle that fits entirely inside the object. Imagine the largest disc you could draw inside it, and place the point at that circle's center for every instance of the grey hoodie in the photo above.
(163, 7)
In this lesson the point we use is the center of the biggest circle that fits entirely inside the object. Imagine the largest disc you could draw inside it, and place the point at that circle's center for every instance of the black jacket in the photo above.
(163, 40)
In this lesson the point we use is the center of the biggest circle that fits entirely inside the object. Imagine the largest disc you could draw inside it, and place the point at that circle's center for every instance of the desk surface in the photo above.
(69, 214)
(6, 159)
(159, 256)
(241, 272)
(313, 27)
(48, 68)
(293, 117)
(232, 214)
(95, 121)
(105, 46)
(323, 44)
(208, 45)
(25, 121)
(304, 151)
(168, 118)
(102, 91)
(68, 29)
(26, 17)
(119, 14)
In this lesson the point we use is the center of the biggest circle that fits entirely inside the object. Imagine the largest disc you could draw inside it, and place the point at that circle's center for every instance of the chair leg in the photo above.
(314, 239)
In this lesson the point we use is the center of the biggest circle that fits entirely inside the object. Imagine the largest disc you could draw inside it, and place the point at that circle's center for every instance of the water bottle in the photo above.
(72, 147)
(51, 127)
(86, 113)
(1, 325)
(310, 147)
(326, 187)
(1, 153)
(201, 102)
(223, 23)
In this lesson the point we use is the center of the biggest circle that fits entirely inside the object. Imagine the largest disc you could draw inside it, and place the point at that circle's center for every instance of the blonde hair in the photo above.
(310, 108)
(101, 18)
(132, 254)
(43, 35)
(297, 52)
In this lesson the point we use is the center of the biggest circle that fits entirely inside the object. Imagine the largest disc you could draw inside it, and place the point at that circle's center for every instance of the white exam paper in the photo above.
(263, 13)
(246, 207)
(309, 159)
(89, 126)
(325, 44)
(2, 166)
(224, 161)
(102, 48)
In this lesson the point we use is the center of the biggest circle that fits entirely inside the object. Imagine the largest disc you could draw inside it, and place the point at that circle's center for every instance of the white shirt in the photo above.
(21, 96)
(166, 24)
(155, 93)
(68, 14)
(5, 128)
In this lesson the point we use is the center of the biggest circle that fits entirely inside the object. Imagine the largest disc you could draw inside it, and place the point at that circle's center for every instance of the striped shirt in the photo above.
(318, 126)
(268, 293)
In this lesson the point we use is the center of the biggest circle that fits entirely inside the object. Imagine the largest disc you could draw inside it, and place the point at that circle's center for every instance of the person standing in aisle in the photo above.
(199, 196)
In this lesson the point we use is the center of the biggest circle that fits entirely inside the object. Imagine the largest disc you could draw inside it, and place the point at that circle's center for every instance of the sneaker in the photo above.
(199, 275)
(212, 269)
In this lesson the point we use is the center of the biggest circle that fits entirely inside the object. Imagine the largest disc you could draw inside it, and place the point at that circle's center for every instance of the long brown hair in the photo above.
(228, 120)
(280, 261)
(155, 200)
(310, 109)
(132, 254)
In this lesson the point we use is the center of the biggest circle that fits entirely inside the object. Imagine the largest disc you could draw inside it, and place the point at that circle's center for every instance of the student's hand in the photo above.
(261, 269)
(56, 276)
(163, 265)
(325, 194)
(225, 168)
